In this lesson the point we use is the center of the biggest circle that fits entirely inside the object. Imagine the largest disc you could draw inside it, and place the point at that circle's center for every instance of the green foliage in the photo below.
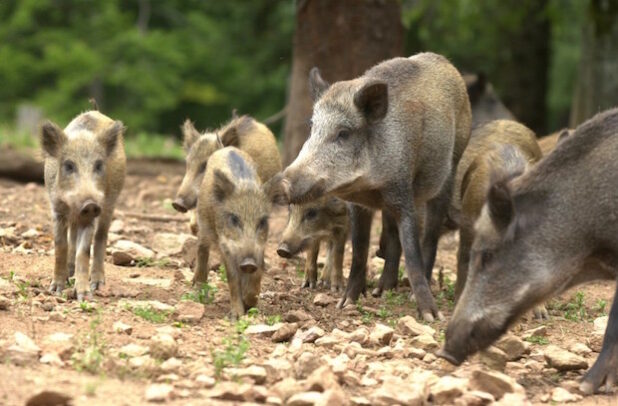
(89, 355)
(253, 312)
(205, 294)
(601, 306)
(447, 293)
(242, 324)
(232, 354)
(197, 59)
(366, 317)
(575, 310)
(393, 298)
(274, 319)
(86, 307)
(222, 273)
(151, 314)
(537, 340)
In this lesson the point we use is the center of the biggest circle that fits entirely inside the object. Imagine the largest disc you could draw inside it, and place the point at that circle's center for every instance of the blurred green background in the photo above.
(154, 63)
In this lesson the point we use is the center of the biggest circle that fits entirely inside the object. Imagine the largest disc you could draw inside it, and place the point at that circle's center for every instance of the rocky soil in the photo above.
(150, 337)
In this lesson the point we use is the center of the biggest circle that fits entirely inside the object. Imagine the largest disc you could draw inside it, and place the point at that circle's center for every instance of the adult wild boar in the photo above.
(85, 168)
(552, 228)
(390, 139)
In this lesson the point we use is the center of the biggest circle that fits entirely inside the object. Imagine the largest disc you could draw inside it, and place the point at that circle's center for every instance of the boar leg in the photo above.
(82, 262)
(408, 235)
(311, 265)
(463, 259)
(72, 248)
(97, 276)
(436, 211)
(392, 253)
(336, 250)
(605, 368)
(200, 275)
(250, 285)
(360, 222)
(61, 272)
(237, 307)
(325, 277)
(381, 251)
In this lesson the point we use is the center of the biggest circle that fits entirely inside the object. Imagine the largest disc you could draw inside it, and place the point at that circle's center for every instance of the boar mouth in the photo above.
(443, 353)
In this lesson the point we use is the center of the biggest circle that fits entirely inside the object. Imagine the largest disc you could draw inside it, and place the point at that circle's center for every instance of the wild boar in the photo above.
(232, 215)
(390, 139)
(309, 224)
(552, 228)
(85, 168)
(485, 104)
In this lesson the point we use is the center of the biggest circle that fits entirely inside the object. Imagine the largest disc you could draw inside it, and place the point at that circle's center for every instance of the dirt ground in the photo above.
(91, 368)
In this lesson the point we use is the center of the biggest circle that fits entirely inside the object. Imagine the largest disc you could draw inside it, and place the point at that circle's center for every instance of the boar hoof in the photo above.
(605, 369)
(377, 292)
(84, 296)
(94, 286)
(56, 287)
(541, 313)
(308, 284)
(428, 317)
(344, 302)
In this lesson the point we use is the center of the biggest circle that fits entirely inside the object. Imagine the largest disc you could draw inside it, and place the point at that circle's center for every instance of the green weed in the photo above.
(232, 354)
(205, 294)
(537, 340)
(150, 314)
(222, 273)
(274, 319)
(575, 310)
(89, 356)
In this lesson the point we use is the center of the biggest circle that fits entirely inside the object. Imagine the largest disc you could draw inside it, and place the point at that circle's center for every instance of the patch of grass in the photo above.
(384, 313)
(575, 310)
(393, 298)
(232, 354)
(241, 325)
(89, 357)
(91, 388)
(446, 296)
(205, 294)
(537, 340)
(86, 307)
(222, 273)
(23, 289)
(400, 272)
(144, 145)
(151, 314)
(274, 319)
(253, 312)
(151, 262)
(600, 307)
(71, 283)
(11, 276)
(366, 317)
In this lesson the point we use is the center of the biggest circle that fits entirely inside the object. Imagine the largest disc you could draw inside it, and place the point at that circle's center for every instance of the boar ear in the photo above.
(335, 208)
(372, 100)
(317, 85)
(190, 135)
(476, 87)
(52, 138)
(500, 204)
(229, 138)
(564, 134)
(109, 137)
(275, 191)
(223, 186)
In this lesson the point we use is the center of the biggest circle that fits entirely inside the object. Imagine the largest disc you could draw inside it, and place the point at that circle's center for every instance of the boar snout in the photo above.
(248, 265)
(179, 205)
(284, 251)
(89, 210)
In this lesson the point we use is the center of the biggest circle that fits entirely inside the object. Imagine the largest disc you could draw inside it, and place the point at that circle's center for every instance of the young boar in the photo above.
(309, 224)
(540, 233)
(500, 146)
(232, 214)
(84, 174)
(242, 132)
(391, 140)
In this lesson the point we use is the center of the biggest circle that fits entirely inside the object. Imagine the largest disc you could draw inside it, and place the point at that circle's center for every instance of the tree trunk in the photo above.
(343, 38)
(524, 76)
(597, 82)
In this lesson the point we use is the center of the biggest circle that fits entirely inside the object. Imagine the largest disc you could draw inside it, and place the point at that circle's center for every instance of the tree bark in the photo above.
(597, 82)
(343, 38)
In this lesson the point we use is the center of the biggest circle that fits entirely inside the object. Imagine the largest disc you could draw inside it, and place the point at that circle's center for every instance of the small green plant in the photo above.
(23, 289)
(274, 319)
(393, 298)
(383, 313)
(575, 310)
(366, 317)
(91, 388)
(537, 340)
(222, 273)
(151, 314)
(86, 307)
(447, 293)
(241, 325)
(90, 355)
(232, 354)
(253, 312)
(400, 272)
(205, 294)
(11, 276)
(71, 282)
(600, 307)
(151, 262)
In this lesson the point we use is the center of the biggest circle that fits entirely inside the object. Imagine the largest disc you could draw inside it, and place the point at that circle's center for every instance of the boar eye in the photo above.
(234, 220)
(202, 167)
(69, 166)
(343, 135)
(310, 214)
(263, 223)
(98, 166)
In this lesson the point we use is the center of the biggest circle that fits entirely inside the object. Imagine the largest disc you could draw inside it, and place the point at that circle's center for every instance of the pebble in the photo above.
(284, 332)
(312, 334)
(304, 399)
(561, 395)
(494, 358)
(189, 312)
(409, 326)
(563, 360)
(159, 392)
(381, 334)
(447, 389)
(425, 342)
(323, 300)
(163, 346)
(513, 346)
(122, 328)
(493, 382)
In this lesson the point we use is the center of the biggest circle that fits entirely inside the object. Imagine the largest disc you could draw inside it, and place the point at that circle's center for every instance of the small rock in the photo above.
(263, 330)
(284, 332)
(429, 358)
(168, 378)
(171, 365)
(159, 392)
(600, 323)
(304, 399)
(294, 316)
(189, 312)
(51, 358)
(580, 349)
(381, 334)
(173, 331)
(277, 369)
(122, 328)
(563, 360)
(339, 364)
(59, 343)
(513, 347)
(24, 351)
(417, 353)
(333, 396)
(494, 358)
(321, 380)
(312, 334)
(117, 226)
(360, 401)
(233, 391)
(540, 331)
(395, 391)
(360, 335)
(163, 346)
(133, 350)
(409, 326)
(169, 244)
(475, 398)
(145, 364)
(561, 395)
(205, 381)
(493, 382)
(425, 342)
(287, 387)
(447, 389)
(327, 341)
(5, 302)
(31, 233)
(306, 363)
(125, 251)
(322, 299)
(256, 373)
(49, 398)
